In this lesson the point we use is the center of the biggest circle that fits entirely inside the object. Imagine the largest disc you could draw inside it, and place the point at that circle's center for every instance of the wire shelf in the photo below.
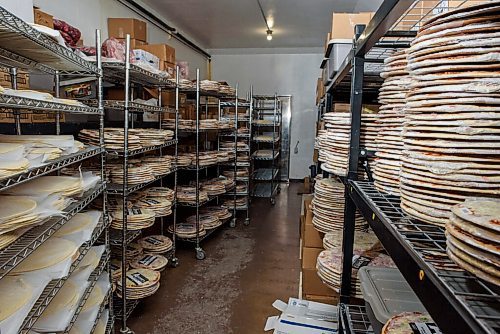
(265, 190)
(115, 237)
(54, 286)
(468, 298)
(117, 189)
(355, 319)
(115, 71)
(199, 204)
(109, 325)
(133, 107)
(19, 250)
(92, 283)
(141, 150)
(49, 167)
(19, 102)
(118, 307)
(268, 157)
(193, 168)
(23, 46)
(233, 104)
(265, 174)
(209, 232)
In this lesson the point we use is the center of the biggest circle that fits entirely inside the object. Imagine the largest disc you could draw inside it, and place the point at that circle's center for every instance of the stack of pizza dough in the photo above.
(329, 266)
(328, 207)
(207, 220)
(159, 205)
(156, 244)
(137, 173)
(389, 141)
(137, 219)
(473, 238)
(150, 261)
(113, 139)
(188, 230)
(141, 283)
(221, 212)
(160, 165)
(335, 145)
(187, 195)
(452, 134)
(405, 322)
(362, 240)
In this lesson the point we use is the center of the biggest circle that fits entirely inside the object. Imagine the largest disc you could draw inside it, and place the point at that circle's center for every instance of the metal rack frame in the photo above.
(129, 74)
(473, 306)
(22, 46)
(267, 187)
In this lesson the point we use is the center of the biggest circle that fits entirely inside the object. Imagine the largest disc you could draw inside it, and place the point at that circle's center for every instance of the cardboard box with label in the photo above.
(7, 116)
(22, 78)
(43, 19)
(162, 51)
(120, 27)
(145, 57)
(303, 317)
(47, 117)
(343, 24)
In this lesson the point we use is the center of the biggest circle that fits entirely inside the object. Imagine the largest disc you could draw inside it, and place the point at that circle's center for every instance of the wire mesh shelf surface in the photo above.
(355, 319)
(115, 71)
(142, 149)
(115, 237)
(20, 102)
(118, 307)
(427, 245)
(134, 107)
(265, 174)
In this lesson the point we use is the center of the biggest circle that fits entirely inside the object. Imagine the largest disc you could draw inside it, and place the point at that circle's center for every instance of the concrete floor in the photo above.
(247, 268)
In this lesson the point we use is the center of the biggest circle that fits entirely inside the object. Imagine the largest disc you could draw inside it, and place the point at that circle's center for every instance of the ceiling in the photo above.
(221, 24)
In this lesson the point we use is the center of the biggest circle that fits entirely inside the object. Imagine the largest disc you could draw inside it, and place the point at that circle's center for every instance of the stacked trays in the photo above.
(141, 283)
(328, 207)
(391, 119)
(329, 266)
(335, 145)
(452, 134)
(473, 238)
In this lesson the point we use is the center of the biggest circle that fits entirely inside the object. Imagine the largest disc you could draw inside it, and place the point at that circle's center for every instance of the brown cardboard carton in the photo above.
(331, 300)
(341, 107)
(46, 117)
(7, 116)
(23, 79)
(43, 18)
(162, 51)
(120, 27)
(170, 69)
(115, 93)
(134, 43)
(343, 24)
(315, 155)
(310, 257)
(312, 237)
(312, 284)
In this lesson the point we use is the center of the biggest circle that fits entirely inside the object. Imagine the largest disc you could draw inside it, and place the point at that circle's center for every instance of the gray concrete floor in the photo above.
(247, 268)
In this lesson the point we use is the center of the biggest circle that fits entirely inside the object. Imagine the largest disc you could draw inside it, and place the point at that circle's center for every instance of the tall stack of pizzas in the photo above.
(389, 140)
(328, 207)
(452, 130)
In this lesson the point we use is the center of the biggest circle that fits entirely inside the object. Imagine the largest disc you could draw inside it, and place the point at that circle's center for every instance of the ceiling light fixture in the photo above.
(269, 35)
(269, 31)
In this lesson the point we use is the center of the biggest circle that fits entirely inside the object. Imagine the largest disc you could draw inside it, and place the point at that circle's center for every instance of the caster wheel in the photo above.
(279, 190)
(174, 263)
(200, 255)
(246, 222)
(126, 331)
(232, 224)
(273, 201)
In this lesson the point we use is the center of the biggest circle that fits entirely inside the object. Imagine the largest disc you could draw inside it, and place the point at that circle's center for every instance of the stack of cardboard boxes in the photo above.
(312, 244)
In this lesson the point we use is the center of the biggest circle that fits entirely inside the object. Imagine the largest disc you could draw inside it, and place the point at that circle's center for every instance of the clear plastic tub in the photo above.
(386, 293)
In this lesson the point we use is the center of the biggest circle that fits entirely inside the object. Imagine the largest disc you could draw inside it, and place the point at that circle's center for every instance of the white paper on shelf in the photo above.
(99, 251)
(82, 236)
(12, 153)
(59, 321)
(91, 314)
(52, 33)
(57, 271)
(13, 323)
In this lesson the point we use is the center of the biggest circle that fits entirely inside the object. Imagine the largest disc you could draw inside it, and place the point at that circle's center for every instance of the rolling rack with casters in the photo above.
(132, 77)
(243, 135)
(472, 306)
(195, 168)
(266, 143)
(24, 47)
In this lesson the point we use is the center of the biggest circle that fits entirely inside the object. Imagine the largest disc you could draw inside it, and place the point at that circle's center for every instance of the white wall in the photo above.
(88, 15)
(287, 72)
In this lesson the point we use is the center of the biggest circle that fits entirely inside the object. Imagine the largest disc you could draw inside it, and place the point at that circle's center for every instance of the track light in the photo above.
(269, 34)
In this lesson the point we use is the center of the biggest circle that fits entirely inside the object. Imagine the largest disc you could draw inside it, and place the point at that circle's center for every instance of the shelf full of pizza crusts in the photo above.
(54, 250)
(425, 229)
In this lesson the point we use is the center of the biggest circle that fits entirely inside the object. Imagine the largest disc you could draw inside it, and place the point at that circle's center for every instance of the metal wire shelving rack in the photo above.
(418, 250)
(22, 46)
(266, 135)
(131, 76)
(243, 154)
(195, 168)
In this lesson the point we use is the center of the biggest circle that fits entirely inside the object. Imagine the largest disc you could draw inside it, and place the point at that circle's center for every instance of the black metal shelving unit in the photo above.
(457, 301)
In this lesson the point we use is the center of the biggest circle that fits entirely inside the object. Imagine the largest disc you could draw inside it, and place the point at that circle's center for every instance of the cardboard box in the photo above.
(312, 284)
(162, 51)
(43, 18)
(343, 24)
(134, 43)
(310, 257)
(316, 155)
(169, 68)
(145, 57)
(120, 27)
(115, 93)
(307, 185)
(312, 237)
(23, 79)
(46, 117)
(330, 300)
(341, 107)
(7, 116)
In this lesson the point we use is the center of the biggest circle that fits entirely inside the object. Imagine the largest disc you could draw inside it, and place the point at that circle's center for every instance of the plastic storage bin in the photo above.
(386, 293)
(339, 51)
